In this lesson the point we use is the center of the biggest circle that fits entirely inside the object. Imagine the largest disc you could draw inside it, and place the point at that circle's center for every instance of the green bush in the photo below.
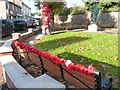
(64, 12)
(76, 10)
(114, 9)
(104, 7)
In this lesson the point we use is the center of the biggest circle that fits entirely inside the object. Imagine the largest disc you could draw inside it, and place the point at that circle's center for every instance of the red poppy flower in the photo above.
(21, 45)
(91, 67)
(28, 48)
(71, 66)
(48, 56)
(17, 43)
(43, 54)
(82, 69)
(13, 41)
(90, 72)
(85, 71)
(78, 66)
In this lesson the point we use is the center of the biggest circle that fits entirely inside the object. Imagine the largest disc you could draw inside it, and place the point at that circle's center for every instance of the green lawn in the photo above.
(86, 48)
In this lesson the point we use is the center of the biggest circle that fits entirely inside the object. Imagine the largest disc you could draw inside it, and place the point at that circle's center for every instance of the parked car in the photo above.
(29, 24)
(6, 27)
(32, 23)
(20, 24)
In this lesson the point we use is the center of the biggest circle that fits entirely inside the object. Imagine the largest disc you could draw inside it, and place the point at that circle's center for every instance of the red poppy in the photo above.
(62, 61)
(85, 71)
(22, 46)
(43, 54)
(89, 72)
(17, 43)
(91, 67)
(71, 66)
(78, 66)
(82, 69)
(28, 48)
(13, 41)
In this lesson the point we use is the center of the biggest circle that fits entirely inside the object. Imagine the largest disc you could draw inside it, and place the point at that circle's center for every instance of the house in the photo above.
(10, 9)
(14, 9)
(26, 11)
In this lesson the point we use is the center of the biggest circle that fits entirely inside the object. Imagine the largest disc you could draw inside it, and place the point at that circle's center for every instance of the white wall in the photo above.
(3, 9)
(25, 11)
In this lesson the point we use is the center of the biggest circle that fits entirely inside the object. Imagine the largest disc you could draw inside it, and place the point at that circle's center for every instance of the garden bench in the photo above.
(16, 77)
(78, 79)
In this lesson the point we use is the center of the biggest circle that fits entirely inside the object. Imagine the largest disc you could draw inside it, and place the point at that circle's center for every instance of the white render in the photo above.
(3, 10)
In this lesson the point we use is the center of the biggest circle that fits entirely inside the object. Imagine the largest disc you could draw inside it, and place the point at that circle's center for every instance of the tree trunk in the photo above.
(52, 22)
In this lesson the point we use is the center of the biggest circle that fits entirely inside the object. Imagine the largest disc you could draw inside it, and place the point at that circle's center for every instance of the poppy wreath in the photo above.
(68, 63)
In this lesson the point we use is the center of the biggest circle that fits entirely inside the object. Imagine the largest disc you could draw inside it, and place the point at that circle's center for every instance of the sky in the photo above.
(70, 3)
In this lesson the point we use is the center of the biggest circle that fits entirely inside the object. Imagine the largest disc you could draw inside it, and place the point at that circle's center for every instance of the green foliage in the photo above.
(104, 6)
(64, 12)
(77, 10)
(56, 6)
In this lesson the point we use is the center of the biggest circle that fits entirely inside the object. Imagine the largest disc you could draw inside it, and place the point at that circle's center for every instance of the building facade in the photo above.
(14, 9)
(10, 9)
(26, 11)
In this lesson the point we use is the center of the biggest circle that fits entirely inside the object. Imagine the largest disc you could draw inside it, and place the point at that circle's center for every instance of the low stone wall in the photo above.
(105, 20)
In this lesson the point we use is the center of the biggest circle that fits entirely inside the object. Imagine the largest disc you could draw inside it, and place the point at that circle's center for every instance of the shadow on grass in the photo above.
(56, 43)
(106, 70)
(58, 32)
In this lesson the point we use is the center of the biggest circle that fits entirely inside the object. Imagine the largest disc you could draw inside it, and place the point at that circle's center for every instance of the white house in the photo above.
(10, 8)
(26, 11)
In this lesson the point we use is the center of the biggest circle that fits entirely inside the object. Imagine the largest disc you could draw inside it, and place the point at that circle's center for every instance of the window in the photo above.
(7, 6)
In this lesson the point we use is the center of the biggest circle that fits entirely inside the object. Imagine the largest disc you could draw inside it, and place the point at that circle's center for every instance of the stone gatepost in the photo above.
(16, 36)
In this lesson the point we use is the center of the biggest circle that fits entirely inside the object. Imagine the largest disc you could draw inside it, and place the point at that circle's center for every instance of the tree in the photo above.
(56, 7)
(104, 6)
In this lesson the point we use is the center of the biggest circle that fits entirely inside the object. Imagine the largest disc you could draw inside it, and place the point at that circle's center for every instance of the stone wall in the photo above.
(105, 20)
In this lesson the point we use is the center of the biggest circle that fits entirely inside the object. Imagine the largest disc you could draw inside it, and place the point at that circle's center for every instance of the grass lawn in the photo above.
(82, 47)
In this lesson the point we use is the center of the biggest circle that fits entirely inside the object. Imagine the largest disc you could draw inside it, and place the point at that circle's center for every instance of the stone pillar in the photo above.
(30, 30)
(16, 35)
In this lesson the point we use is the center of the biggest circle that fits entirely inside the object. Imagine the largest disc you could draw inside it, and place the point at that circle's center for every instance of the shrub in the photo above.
(76, 10)
(64, 12)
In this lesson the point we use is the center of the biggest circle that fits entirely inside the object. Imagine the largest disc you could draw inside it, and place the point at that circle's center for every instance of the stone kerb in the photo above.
(6, 50)
(6, 57)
